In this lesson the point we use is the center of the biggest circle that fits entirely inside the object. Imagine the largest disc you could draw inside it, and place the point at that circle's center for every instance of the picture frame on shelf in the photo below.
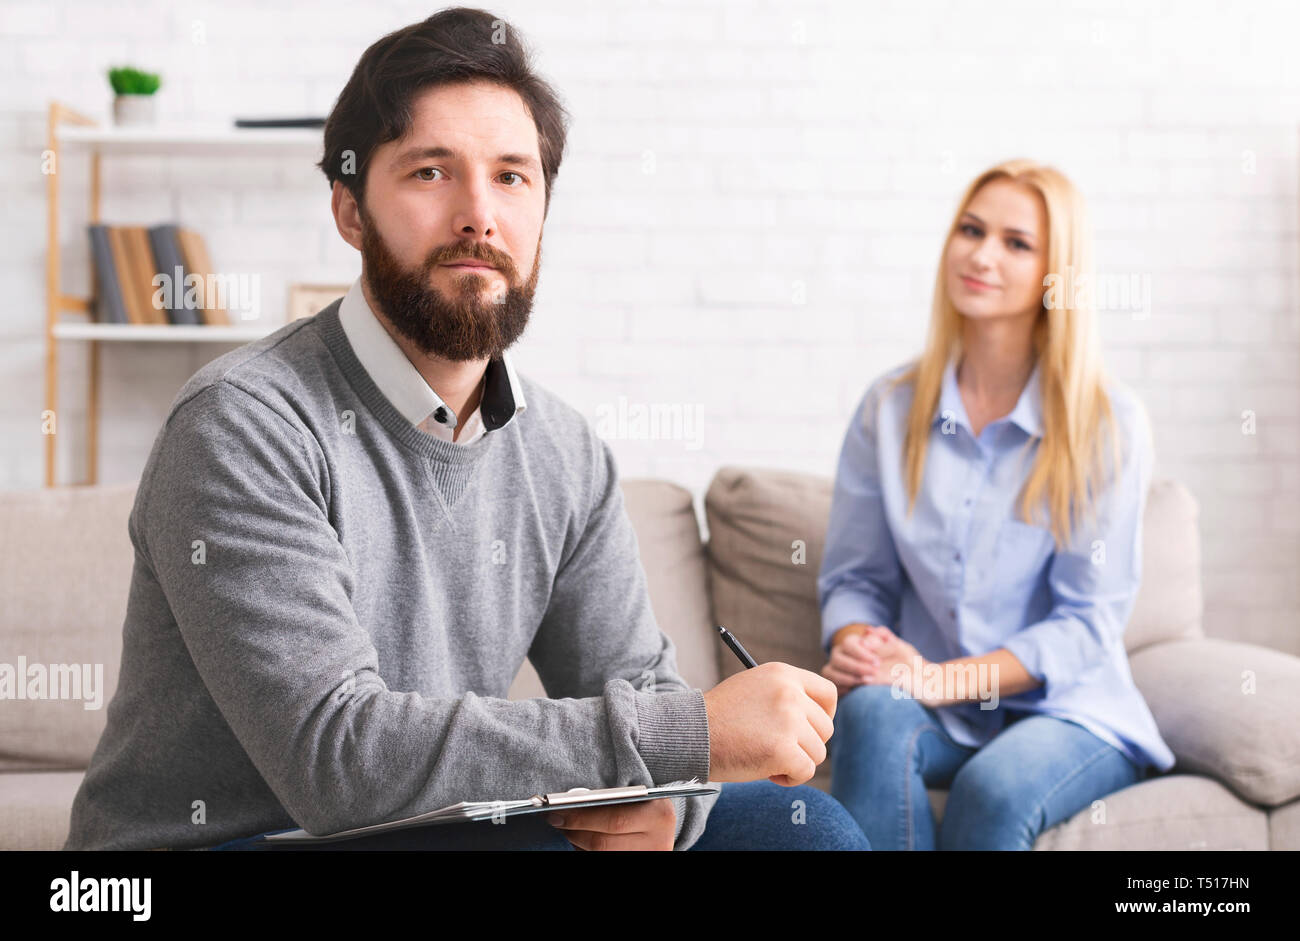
(306, 300)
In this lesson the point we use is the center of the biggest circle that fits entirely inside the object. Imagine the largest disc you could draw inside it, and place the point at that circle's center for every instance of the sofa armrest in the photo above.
(1227, 710)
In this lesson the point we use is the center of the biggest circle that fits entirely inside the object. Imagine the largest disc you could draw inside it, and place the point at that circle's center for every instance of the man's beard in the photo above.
(476, 323)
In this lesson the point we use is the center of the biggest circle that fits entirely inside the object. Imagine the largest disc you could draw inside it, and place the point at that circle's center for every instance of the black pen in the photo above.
(731, 641)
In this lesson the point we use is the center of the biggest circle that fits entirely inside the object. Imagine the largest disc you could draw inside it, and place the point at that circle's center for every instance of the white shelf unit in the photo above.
(135, 333)
(192, 140)
(70, 132)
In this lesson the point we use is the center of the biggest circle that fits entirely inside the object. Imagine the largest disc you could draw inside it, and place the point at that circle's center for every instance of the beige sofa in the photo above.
(1228, 710)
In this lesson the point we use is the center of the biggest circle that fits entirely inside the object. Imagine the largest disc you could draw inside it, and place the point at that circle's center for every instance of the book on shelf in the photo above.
(127, 259)
(108, 305)
(309, 122)
(195, 251)
(167, 258)
(117, 240)
(140, 267)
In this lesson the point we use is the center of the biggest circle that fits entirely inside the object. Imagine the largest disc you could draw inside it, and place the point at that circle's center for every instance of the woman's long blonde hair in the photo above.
(1068, 469)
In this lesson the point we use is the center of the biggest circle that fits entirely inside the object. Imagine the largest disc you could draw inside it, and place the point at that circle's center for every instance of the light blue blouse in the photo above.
(963, 576)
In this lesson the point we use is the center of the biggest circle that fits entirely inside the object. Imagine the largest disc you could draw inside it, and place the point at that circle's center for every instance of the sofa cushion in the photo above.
(1284, 827)
(1227, 710)
(668, 541)
(1169, 603)
(677, 573)
(36, 808)
(65, 572)
(1171, 812)
(766, 590)
(767, 530)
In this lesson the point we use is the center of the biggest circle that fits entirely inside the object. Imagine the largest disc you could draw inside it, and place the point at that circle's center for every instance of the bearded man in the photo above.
(351, 533)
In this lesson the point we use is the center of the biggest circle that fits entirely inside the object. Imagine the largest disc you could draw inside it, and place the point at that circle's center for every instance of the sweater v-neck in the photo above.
(434, 449)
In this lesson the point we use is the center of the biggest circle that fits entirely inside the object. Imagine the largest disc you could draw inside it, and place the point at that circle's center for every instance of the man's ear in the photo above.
(347, 215)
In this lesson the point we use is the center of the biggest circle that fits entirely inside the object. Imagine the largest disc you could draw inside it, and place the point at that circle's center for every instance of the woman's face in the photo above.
(997, 258)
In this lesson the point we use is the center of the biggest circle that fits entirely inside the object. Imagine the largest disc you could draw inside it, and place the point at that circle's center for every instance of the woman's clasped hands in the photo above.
(873, 654)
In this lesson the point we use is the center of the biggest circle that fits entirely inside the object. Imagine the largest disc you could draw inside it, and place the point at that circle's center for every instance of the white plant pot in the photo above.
(134, 109)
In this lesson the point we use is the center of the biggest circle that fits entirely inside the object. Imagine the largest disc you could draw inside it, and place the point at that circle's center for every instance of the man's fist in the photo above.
(771, 721)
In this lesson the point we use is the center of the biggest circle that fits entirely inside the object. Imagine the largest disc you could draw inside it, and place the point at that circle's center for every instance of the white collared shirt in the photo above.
(402, 384)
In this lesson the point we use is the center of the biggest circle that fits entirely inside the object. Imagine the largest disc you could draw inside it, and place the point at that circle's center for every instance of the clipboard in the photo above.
(496, 810)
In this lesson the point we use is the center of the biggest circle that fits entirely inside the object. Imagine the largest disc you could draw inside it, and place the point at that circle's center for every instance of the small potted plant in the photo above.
(134, 103)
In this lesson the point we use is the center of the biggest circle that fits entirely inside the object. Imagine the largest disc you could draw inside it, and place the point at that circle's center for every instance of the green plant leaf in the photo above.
(130, 81)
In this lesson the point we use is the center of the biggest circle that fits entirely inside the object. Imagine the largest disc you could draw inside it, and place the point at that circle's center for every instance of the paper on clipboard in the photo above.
(489, 810)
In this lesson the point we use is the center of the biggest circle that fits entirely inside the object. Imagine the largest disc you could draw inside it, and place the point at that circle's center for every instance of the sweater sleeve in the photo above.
(237, 531)
(599, 632)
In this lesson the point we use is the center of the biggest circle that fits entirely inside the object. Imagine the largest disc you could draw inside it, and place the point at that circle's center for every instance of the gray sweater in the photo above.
(328, 606)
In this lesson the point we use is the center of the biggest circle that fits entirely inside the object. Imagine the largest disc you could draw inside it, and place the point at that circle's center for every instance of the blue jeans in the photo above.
(1036, 772)
(755, 815)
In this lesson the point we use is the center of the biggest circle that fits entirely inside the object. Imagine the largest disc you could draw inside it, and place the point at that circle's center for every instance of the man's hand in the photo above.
(645, 825)
(771, 721)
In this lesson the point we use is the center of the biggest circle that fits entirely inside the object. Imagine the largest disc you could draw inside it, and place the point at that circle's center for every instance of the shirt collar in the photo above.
(402, 384)
(1027, 414)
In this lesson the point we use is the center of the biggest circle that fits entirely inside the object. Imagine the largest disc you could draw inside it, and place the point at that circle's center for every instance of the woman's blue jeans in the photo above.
(1038, 771)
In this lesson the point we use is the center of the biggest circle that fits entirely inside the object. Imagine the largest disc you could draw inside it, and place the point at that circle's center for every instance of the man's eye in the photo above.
(516, 176)
(426, 170)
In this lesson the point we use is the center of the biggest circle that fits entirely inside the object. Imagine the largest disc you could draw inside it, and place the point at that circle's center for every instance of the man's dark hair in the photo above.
(452, 46)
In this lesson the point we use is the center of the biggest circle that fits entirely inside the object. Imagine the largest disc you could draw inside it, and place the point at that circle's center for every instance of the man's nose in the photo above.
(473, 214)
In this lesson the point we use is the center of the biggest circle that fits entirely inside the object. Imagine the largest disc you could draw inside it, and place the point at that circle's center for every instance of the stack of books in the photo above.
(142, 276)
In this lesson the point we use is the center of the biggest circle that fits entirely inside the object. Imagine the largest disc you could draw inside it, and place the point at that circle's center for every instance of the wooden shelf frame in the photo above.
(71, 131)
(56, 302)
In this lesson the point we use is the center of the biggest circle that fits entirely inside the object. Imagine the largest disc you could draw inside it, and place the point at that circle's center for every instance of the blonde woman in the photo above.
(984, 548)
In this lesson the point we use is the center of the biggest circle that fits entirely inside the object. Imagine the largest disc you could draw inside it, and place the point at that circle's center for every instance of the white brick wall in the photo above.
(750, 216)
